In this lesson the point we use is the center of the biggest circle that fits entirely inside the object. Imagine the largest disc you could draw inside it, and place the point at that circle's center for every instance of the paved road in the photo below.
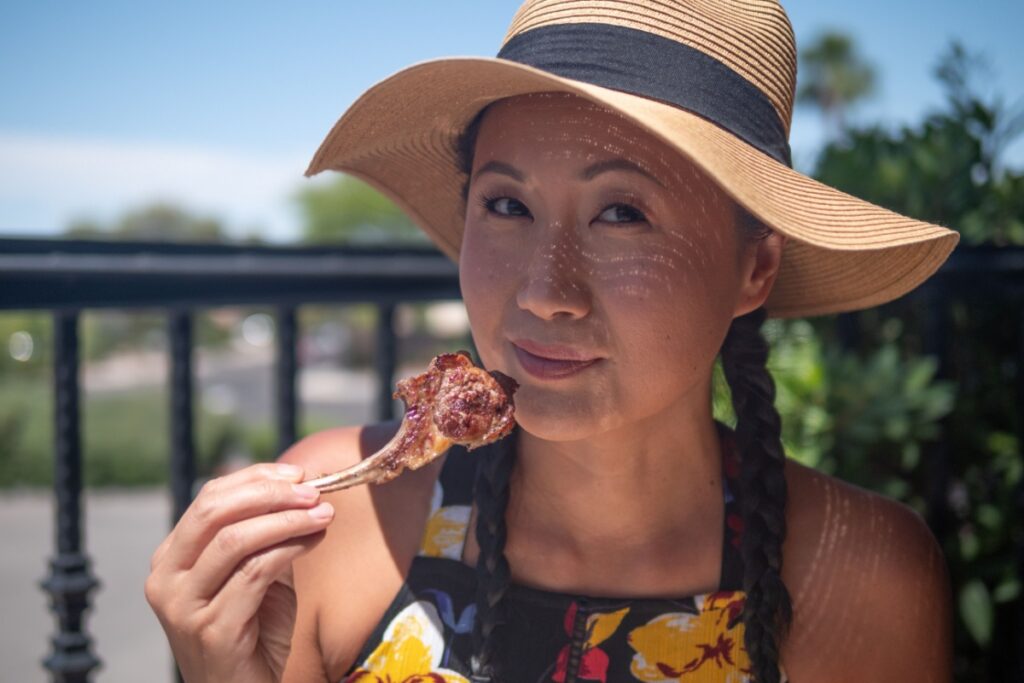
(122, 529)
(242, 384)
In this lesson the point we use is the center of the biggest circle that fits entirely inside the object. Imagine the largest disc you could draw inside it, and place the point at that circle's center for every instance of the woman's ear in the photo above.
(759, 267)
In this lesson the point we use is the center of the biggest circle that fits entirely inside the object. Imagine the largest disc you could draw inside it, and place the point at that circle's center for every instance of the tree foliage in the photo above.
(946, 169)
(348, 211)
(833, 77)
(888, 423)
(159, 222)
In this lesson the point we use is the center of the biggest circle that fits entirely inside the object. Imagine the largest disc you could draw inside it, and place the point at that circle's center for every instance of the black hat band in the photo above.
(652, 66)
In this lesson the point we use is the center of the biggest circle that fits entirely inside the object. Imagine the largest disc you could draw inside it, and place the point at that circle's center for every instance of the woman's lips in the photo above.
(549, 368)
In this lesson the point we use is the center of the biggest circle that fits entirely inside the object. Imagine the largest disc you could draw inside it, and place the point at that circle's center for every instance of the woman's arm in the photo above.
(347, 582)
(313, 581)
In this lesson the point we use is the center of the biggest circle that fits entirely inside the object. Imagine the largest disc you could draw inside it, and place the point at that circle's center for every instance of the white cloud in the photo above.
(46, 181)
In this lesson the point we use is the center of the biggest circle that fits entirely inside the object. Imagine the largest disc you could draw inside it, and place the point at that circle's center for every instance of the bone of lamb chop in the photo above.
(453, 402)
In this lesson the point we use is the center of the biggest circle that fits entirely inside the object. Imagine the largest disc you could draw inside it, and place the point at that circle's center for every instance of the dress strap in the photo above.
(448, 525)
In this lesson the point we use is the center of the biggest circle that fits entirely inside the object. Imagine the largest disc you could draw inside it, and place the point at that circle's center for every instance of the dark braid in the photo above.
(490, 493)
(492, 570)
(767, 612)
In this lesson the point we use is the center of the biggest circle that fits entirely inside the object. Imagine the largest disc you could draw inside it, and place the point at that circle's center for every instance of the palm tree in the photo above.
(833, 77)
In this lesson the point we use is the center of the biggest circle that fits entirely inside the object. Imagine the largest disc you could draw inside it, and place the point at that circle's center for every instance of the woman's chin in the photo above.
(550, 422)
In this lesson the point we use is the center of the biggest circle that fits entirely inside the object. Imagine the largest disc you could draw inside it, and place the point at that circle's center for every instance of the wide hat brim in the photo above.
(843, 254)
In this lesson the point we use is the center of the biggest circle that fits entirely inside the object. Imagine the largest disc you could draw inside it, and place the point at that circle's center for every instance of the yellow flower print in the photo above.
(446, 528)
(410, 651)
(601, 625)
(679, 647)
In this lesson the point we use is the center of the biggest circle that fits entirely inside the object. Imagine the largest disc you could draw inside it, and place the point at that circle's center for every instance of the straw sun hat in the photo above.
(713, 79)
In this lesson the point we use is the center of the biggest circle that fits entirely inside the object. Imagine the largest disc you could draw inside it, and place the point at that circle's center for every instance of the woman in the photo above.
(617, 191)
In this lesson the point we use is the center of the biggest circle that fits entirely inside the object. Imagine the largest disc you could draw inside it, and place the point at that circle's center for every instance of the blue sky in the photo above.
(218, 106)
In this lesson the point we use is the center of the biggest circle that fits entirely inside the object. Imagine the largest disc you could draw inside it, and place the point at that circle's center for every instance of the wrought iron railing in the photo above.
(66, 277)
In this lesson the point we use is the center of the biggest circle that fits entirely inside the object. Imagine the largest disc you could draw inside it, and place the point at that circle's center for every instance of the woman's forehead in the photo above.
(564, 126)
(562, 116)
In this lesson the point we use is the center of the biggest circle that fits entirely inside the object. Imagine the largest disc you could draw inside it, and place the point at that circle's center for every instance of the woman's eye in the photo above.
(621, 213)
(505, 206)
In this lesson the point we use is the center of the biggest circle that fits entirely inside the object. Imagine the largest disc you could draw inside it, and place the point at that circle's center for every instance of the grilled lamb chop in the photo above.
(453, 402)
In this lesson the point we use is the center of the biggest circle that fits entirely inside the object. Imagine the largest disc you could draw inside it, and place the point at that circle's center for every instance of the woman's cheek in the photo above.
(663, 306)
(483, 280)
(637, 281)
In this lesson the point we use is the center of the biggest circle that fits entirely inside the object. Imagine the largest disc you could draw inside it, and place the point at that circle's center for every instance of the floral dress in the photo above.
(426, 633)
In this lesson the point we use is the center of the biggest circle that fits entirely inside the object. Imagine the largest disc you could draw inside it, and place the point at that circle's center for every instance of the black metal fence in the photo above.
(65, 277)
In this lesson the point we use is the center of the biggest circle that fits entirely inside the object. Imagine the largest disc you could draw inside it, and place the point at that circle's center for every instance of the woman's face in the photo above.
(585, 232)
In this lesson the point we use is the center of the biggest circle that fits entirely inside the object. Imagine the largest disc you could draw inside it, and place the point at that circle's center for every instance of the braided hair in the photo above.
(767, 611)
(490, 494)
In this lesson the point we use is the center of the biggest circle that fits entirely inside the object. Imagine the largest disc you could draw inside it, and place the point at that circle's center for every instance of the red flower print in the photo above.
(733, 607)
(735, 524)
(593, 664)
(729, 458)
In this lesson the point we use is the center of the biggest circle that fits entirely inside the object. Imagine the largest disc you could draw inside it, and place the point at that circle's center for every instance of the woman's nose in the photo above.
(554, 278)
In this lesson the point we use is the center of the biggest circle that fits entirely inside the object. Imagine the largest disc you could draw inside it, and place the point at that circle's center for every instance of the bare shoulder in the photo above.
(346, 583)
(869, 585)
(333, 449)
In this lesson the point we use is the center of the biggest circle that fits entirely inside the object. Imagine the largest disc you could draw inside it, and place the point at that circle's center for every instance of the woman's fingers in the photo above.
(253, 491)
(230, 547)
(160, 550)
(214, 570)
(243, 593)
(248, 474)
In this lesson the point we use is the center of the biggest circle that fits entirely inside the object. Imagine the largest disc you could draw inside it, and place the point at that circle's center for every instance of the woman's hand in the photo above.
(220, 583)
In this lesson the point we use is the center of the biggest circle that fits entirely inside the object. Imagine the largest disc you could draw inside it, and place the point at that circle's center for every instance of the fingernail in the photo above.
(288, 471)
(322, 511)
(305, 490)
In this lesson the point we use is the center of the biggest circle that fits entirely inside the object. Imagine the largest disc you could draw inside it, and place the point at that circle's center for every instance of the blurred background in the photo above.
(193, 123)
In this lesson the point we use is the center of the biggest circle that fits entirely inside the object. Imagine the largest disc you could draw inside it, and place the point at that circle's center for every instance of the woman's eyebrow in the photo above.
(588, 173)
(615, 165)
(502, 168)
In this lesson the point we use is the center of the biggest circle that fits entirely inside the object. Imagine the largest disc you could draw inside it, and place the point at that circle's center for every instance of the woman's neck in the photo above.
(639, 504)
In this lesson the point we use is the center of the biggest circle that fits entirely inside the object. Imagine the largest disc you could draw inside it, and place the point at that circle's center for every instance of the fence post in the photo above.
(1019, 638)
(387, 352)
(287, 404)
(183, 455)
(183, 451)
(848, 331)
(70, 580)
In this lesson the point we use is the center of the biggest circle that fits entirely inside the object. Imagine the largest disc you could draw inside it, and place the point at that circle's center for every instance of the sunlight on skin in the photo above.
(849, 548)
(630, 291)
(815, 584)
